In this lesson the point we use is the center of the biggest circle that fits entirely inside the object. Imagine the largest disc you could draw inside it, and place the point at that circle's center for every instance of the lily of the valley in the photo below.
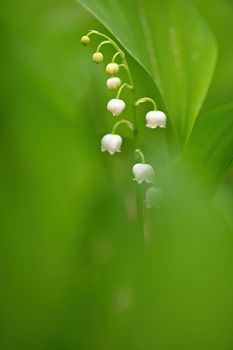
(111, 143)
(116, 106)
(112, 68)
(152, 197)
(97, 57)
(85, 40)
(113, 83)
(143, 172)
(155, 118)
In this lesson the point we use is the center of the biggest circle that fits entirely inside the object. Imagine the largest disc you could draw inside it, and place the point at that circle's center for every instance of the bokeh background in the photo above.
(75, 273)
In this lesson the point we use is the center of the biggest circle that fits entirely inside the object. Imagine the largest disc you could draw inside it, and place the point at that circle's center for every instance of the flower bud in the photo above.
(116, 106)
(152, 197)
(98, 57)
(113, 83)
(111, 143)
(143, 172)
(85, 40)
(112, 68)
(155, 118)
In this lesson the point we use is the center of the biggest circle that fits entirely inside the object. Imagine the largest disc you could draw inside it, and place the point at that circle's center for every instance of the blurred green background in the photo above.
(74, 272)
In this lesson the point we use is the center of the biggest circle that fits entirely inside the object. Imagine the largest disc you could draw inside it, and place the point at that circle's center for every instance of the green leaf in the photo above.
(220, 17)
(210, 147)
(172, 42)
(185, 54)
(122, 19)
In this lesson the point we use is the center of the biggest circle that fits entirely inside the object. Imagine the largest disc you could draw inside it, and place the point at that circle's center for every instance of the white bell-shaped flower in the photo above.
(111, 143)
(112, 68)
(152, 197)
(143, 172)
(116, 106)
(156, 118)
(113, 83)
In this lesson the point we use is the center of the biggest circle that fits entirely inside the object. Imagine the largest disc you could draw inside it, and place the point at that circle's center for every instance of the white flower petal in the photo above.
(113, 83)
(105, 141)
(156, 118)
(149, 173)
(152, 196)
(111, 143)
(143, 172)
(112, 68)
(116, 106)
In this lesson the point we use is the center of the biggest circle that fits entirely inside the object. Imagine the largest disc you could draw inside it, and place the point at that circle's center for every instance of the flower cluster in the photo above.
(154, 118)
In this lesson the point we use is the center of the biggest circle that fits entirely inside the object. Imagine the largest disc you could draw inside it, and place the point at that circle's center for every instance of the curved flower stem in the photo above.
(138, 188)
(122, 87)
(91, 32)
(139, 153)
(115, 56)
(121, 65)
(135, 129)
(146, 99)
(123, 121)
(127, 69)
(102, 44)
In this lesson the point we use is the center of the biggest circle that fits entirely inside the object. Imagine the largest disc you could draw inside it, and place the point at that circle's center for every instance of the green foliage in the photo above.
(75, 275)
(211, 144)
(175, 46)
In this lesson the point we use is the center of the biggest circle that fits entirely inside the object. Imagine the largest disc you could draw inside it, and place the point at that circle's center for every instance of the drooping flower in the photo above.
(116, 106)
(111, 143)
(112, 68)
(143, 172)
(113, 83)
(85, 40)
(98, 57)
(152, 197)
(155, 118)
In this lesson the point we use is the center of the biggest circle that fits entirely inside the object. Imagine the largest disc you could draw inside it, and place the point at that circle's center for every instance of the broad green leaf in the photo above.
(210, 147)
(172, 42)
(123, 20)
(220, 17)
(185, 53)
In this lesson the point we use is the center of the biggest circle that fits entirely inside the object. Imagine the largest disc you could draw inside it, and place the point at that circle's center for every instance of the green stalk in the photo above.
(102, 44)
(139, 153)
(138, 187)
(122, 87)
(135, 130)
(123, 121)
(147, 99)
